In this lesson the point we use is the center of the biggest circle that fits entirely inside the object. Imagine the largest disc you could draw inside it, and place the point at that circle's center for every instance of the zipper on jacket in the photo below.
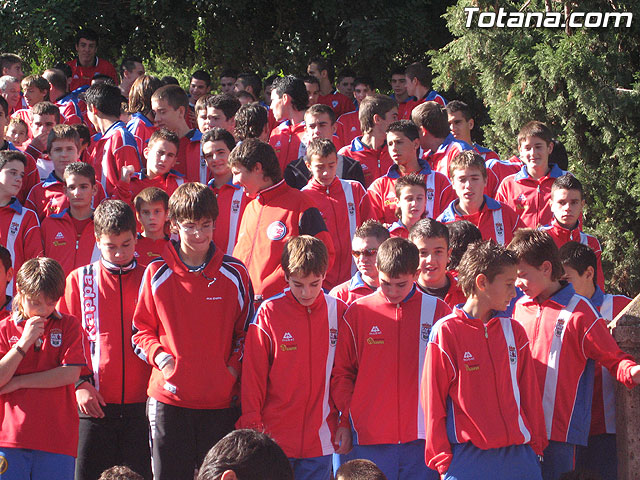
(398, 413)
(122, 334)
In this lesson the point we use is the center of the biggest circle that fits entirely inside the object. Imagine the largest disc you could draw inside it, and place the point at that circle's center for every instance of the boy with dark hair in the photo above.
(131, 68)
(188, 416)
(116, 147)
(462, 233)
(382, 341)
(411, 193)
(19, 226)
(528, 191)
(276, 213)
(111, 394)
(348, 125)
(48, 197)
(312, 84)
(41, 355)
(400, 93)
(567, 335)
(140, 125)
(228, 81)
(70, 110)
(461, 123)
(217, 145)
(120, 472)
(359, 469)
(320, 122)
(496, 220)
(322, 69)
(46, 115)
(344, 203)
(376, 113)
(68, 236)
(287, 363)
(580, 267)
(438, 144)
(344, 82)
(252, 121)
(246, 455)
(478, 369)
(567, 203)
(87, 65)
(5, 144)
(217, 111)
(16, 131)
(403, 144)
(289, 100)
(366, 240)
(152, 213)
(160, 155)
(248, 82)
(432, 239)
(169, 104)
(199, 85)
(11, 64)
(418, 79)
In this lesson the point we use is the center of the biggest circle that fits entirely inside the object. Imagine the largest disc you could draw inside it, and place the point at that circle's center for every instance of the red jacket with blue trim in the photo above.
(352, 289)
(486, 153)
(69, 110)
(563, 235)
(567, 335)
(454, 295)
(431, 96)
(189, 162)
(103, 297)
(344, 205)
(273, 217)
(374, 162)
(217, 301)
(479, 385)
(382, 345)
(286, 369)
(112, 151)
(498, 170)
(340, 103)
(529, 197)
(141, 128)
(348, 127)
(81, 76)
(603, 409)
(495, 220)
(286, 140)
(231, 205)
(448, 149)
(382, 193)
(127, 191)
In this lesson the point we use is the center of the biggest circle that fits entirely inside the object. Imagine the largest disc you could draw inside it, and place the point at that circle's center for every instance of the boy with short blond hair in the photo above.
(152, 213)
(217, 145)
(345, 204)
(19, 226)
(367, 239)
(41, 356)
(48, 197)
(567, 205)
(432, 239)
(567, 335)
(111, 394)
(495, 220)
(382, 341)
(287, 358)
(479, 426)
(187, 415)
(68, 236)
(160, 153)
(528, 192)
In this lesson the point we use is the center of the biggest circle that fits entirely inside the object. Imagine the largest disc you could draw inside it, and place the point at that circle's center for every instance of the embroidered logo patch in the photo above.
(333, 337)
(513, 355)
(276, 231)
(425, 331)
(55, 337)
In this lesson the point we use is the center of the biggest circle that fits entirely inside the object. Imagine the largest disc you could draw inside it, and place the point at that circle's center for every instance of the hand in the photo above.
(89, 400)
(191, 117)
(127, 172)
(33, 330)
(232, 371)
(40, 142)
(343, 441)
(635, 374)
(168, 368)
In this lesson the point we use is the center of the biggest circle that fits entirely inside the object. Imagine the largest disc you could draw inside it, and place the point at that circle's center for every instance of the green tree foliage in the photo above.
(583, 83)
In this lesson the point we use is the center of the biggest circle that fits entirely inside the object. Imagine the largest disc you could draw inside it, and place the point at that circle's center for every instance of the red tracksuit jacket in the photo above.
(383, 194)
(127, 191)
(286, 368)
(189, 161)
(198, 317)
(231, 205)
(529, 197)
(348, 127)
(344, 205)
(141, 128)
(286, 139)
(567, 336)
(147, 249)
(352, 289)
(479, 385)
(103, 297)
(381, 346)
(454, 295)
(495, 220)
(448, 149)
(374, 162)
(273, 217)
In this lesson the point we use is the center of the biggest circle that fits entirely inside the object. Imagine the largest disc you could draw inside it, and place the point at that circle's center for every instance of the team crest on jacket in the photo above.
(235, 206)
(352, 208)
(13, 228)
(276, 231)
(513, 355)
(333, 337)
(499, 229)
(559, 327)
(334, 103)
(425, 331)
(430, 193)
(55, 337)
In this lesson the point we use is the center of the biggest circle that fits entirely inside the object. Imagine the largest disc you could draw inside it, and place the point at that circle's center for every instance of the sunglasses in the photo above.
(369, 252)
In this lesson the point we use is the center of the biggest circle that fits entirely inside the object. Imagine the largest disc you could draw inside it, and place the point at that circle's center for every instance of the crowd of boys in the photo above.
(342, 269)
